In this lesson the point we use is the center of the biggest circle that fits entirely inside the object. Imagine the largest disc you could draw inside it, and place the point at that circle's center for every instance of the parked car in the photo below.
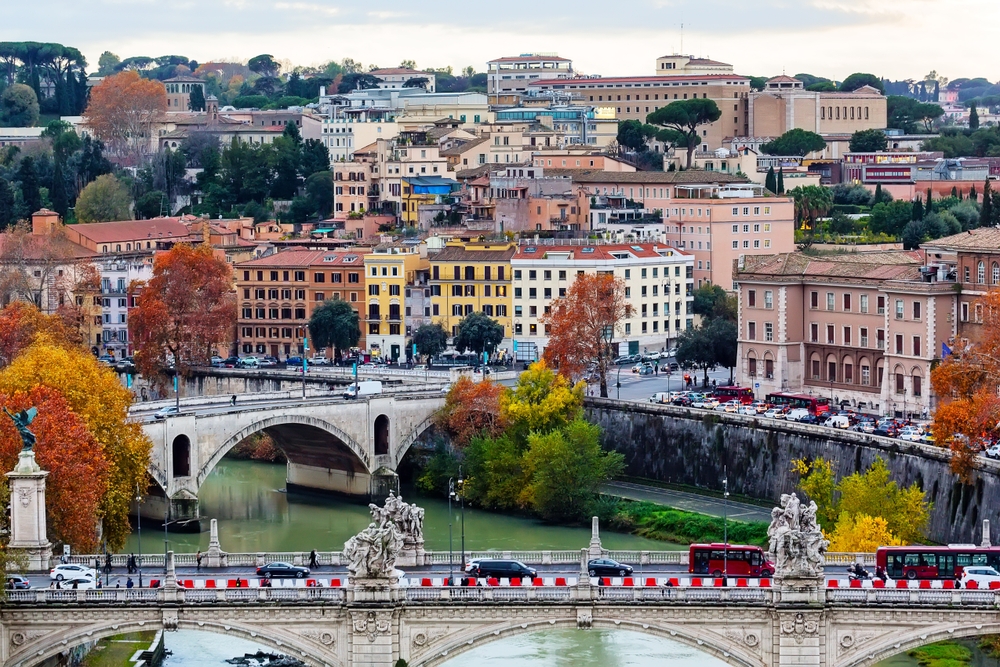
(217, 361)
(169, 411)
(660, 397)
(652, 356)
(249, 362)
(682, 401)
(106, 359)
(17, 582)
(79, 583)
(981, 574)
(500, 569)
(992, 452)
(606, 567)
(293, 361)
(911, 433)
(747, 410)
(71, 571)
(760, 407)
(706, 402)
(729, 406)
(774, 413)
(837, 421)
(278, 569)
(319, 360)
(267, 362)
(231, 362)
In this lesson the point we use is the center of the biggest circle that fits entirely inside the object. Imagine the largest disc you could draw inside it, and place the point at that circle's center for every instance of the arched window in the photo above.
(996, 273)
(981, 273)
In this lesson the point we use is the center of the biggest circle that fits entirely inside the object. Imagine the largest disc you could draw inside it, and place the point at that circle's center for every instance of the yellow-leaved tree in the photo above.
(95, 394)
(542, 401)
(862, 534)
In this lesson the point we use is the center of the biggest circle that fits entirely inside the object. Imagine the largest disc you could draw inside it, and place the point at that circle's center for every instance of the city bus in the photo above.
(735, 559)
(742, 394)
(816, 405)
(947, 562)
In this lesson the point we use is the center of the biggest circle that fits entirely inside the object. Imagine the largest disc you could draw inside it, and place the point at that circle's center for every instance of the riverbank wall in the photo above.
(699, 448)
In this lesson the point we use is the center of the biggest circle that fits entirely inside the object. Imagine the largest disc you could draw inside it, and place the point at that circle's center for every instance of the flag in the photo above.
(945, 350)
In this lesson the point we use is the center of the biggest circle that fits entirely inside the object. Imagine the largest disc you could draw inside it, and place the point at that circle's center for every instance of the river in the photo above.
(255, 514)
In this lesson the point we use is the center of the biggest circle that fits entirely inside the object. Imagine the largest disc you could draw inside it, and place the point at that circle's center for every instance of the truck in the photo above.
(363, 388)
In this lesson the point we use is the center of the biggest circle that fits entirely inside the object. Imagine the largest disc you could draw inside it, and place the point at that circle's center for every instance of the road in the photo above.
(639, 388)
(692, 502)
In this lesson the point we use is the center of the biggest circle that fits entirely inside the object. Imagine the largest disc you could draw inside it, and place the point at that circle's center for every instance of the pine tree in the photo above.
(928, 208)
(918, 210)
(986, 212)
(770, 182)
(781, 181)
(954, 191)
(973, 195)
(878, 194)
(973, 118)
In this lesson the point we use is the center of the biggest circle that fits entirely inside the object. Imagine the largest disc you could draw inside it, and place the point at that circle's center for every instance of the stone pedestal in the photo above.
(986, 543)
(595, 550)
(27, 513)
(215, 556)
(363, 590)
(799, 591)
(411, 555)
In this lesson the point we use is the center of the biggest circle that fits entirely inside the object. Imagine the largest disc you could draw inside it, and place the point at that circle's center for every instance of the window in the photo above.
(881, 306)
(916, 385)
(814, 333)
(831, 371)
(866, 375)
(899, 309)
(829, 334)
(864, 303)
(880, 339)
(814, 300)
(751, 331)
(768, 299)
(916, 346)
(829, 300)
(966, 274)
(899, 383)
(899, 343)
(863, 334)
(847, 335)
(981, 273)
(752, 366)
(848, 373)
(965, 311)
(847, 302)
(815, 369)
(752, 298)
(768, 331)
(996, 273)
(916, 310)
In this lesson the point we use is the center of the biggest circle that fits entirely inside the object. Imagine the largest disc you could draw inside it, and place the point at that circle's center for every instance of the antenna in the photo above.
(682, 39)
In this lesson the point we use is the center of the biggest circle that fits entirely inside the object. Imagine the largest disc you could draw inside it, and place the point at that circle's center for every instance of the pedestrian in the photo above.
(232, 400)
(656, 368)
(118, 584)
(238, 583)
(107, 563)
(58, 586)
(130, 564)
(312, 559)
(75, 585)
(129, 583)
(713, 384)
(99, 583)
(197, 559)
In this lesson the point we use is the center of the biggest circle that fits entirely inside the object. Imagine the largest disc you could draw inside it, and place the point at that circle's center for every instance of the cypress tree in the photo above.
(973, 195)
(781, 180)
(918, 210)
(954, 191)
(986, 212)
(770, 182)
(959, 195)
(58, 195)
(973, 118)
(878, 194)
(30, 194)
(7, 217)
(927, 207)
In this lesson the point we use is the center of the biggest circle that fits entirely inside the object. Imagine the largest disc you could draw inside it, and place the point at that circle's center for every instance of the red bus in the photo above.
(920, 562)
(742, 394)
(816, 405)
(735, 559)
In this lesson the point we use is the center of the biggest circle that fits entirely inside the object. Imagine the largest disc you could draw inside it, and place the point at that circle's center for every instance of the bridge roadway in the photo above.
(374, 623)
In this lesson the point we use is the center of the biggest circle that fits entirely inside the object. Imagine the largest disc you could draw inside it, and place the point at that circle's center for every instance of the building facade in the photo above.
(474, 277)
(507, 78)
(785, 104)
(392, 272)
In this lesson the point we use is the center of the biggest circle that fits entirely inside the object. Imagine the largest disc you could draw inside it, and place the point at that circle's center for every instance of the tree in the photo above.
(104, 200)
(913, 235)
(929, 206)
(7, 216)
(633, 135)
(986, 211)
(565, 469)
(724, 335)
(478, 332)
(472, 409)
(795, 142)
(107, 64)
(31, 195)
(583, 324)
(781, 180)
(862, 534)
(417, 82)
(431, 340)
(18, 106)
(711, 301)
(695, 349)
(197, 98)
(890, 217)
(186, 308)
(868, 141)
(94, 393)
(21, 323)
(122, 112)
(917, 210)
(860, 79)
(541, 401)
(770, 181)
(357, 81)
(683, 118)
(57, 192)
(811, 202)
(335, 324)
(319, 191)
(264, 65)
(314, 157)
(973, 118)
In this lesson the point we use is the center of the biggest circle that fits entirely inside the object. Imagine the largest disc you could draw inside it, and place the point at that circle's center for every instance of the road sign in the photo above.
(756, 385)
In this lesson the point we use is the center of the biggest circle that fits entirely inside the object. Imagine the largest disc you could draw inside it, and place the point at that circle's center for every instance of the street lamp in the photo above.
(607, 334)
(451, 549)
(138, 522)
(725, 524)
(461, 498)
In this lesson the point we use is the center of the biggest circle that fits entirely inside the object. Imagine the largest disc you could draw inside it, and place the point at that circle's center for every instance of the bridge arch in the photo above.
(34, 652)
(359, 452)
(407, 441)
(728, 650)
(900, 640)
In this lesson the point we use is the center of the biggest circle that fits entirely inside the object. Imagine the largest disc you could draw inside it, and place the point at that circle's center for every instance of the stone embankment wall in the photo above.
(225, 382)
(697, 447)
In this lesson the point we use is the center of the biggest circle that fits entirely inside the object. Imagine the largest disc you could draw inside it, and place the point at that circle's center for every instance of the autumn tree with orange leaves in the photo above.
(966, 383)
(470, 409)
(122, 112)
(186, 308)
(583, 324)
(21, 322)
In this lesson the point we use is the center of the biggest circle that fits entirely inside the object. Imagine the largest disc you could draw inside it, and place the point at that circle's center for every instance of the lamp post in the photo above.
(607, 334)
(451, 549)
(138, 523)
(725, 524)
(461, 498)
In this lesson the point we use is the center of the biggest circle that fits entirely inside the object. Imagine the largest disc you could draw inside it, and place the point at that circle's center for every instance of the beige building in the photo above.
(179, 90)
(860, 329)
(784, 104)
(678, 64)
(507, 78)
(396, 77)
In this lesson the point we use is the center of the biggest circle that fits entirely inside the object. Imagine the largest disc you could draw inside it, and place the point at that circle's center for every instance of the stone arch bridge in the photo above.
(332, 445)
(426, 627)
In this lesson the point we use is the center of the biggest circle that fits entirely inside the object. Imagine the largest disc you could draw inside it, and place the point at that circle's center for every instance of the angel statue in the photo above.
(21, 420)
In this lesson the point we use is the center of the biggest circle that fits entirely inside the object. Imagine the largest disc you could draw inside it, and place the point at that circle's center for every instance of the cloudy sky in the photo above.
(897, 39)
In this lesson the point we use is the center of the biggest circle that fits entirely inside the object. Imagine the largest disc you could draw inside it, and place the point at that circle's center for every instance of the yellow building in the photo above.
(420, 191)
(391, 270)
(474, 277)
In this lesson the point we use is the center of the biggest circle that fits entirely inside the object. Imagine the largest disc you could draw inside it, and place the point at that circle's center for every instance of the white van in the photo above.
(837, 421)
(660, 397)
(363, 388)
(796, 414)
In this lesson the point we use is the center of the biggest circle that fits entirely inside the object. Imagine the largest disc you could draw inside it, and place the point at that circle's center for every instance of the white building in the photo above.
(512, 74)
(117, 273)
(348, 129)
(658, 285)
(396, 77)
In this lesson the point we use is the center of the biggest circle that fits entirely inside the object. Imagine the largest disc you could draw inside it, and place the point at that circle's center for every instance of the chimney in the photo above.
(45, 222)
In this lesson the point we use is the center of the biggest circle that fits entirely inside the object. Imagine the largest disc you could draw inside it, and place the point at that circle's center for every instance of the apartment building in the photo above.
(861, 329)
(392, 271)
(507, 78)
(785, 104)
(972, 260)
(348, 129)
(396, 77)
(634, 97)
(658, 286)
(474, 277)
(277, 295)
(681, 64)
(354, 188)
(569, 125)
(179, 89)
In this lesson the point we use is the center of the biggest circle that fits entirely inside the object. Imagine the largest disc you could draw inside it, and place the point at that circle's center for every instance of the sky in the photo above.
(896, 39)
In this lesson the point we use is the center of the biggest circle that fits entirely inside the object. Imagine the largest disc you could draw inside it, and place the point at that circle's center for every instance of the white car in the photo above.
(993, 452)
(774, 413)
(79, 583)
(910, 433)
(981, 574)
(729, 406)
(169, 411)
(748, 410)
(707, 403)
(72, 571)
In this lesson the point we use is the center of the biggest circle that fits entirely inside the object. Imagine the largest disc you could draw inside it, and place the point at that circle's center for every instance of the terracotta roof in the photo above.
(296, 257)
(657, 80)
(783, 79)
(475, 172)
(865, 266)
(706, 61)
(132, 230)
(665, 177)
(461, 148)
(983, 238)
(457, 254)
(594, 252)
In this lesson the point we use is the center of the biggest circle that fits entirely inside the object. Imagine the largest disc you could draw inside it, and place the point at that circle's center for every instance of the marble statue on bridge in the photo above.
(407, 517)
(371, 554)
(796, 541)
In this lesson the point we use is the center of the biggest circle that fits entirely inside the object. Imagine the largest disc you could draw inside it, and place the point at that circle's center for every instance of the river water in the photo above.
(255, 514)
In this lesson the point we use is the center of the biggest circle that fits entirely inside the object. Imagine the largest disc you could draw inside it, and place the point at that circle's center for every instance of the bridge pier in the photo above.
(312, 479)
